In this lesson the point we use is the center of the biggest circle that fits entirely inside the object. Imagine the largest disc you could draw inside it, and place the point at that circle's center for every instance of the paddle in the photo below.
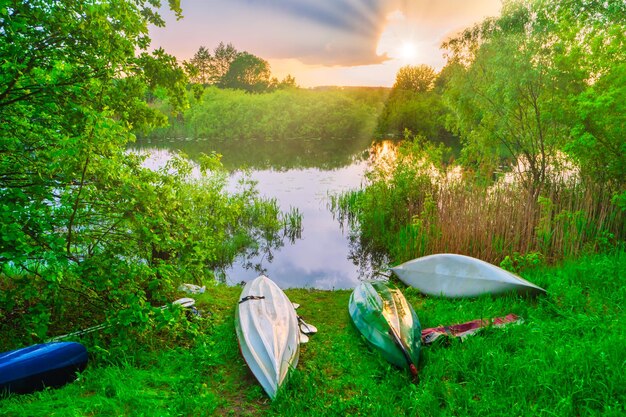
(187, 303)
(305, 327)
(184, 302)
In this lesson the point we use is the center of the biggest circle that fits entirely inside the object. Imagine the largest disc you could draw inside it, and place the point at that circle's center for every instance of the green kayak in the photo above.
(387, 320)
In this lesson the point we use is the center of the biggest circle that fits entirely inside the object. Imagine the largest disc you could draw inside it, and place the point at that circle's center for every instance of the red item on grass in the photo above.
(465, 329)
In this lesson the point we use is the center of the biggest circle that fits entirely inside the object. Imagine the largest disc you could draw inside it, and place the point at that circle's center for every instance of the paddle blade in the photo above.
(185, 302)
(306, 328)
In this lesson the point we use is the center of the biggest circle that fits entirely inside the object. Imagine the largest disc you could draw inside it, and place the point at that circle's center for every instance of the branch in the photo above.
(75, 208)
(105, 233)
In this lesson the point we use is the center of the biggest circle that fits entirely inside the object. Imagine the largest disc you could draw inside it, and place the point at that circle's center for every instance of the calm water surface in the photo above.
(303, 178)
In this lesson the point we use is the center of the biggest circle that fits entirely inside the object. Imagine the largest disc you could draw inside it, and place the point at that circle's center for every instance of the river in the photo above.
(298, 174)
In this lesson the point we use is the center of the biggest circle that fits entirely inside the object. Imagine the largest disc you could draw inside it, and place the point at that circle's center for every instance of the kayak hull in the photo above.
(35, 367)
(387, 321)
(267, 330)
(453, 276)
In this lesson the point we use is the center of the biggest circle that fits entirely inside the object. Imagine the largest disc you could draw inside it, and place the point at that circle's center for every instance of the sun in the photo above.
(407, 51)
(397, 41)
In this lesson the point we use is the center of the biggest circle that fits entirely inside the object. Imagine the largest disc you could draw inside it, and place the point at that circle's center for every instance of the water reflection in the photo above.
(383, 156)
(298, 175)
(327, 154)
(321, 257)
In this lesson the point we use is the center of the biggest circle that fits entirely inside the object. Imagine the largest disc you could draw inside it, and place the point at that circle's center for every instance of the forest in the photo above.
(513, 152)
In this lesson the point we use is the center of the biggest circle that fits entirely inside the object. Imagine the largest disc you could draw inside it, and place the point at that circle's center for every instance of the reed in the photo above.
(413, 209)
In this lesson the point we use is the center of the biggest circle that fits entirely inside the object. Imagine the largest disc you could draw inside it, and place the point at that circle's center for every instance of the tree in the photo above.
(598, 142)
(288, 82)
(508, 98)
(229, 68)
(590, 38)
(70, 88)
(422, 113)
(199, 67)
(544, 76)
(414, 105)
(415, 78)
(247, 72)
(223, 56)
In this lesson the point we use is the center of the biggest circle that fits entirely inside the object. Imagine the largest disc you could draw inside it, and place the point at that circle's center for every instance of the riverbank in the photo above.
(566, 358)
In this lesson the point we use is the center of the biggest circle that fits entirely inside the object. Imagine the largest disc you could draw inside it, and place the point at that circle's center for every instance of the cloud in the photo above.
(327, 32)
(353, 16)
(324, 32)
(321, 33)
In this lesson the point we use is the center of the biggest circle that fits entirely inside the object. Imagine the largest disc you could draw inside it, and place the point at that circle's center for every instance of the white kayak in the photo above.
(268, 332)
(452, 275)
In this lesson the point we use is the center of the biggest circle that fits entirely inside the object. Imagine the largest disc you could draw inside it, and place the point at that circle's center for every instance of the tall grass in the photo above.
(410, 208)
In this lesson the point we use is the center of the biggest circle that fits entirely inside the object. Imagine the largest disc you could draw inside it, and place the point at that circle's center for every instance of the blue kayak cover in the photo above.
(45, 365)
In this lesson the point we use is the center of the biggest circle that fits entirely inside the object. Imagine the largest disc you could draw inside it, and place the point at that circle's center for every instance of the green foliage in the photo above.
(419, 78)
(288, 82)
(542, 77)
(199, 67)
(518, 262)
(509, 100)
(229, 68)
(87, 234)
(598, 137)
(247, 72)
(413, 204)
(415, 105)
(390, 212)
(228, 115)
(206, 69)
(422, 113)
(223, 56)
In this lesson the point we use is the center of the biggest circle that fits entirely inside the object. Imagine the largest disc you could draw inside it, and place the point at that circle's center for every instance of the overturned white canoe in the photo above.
(268, 333)
(452, 275)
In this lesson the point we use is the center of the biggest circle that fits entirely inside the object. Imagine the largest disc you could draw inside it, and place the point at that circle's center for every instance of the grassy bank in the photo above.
(565, 359)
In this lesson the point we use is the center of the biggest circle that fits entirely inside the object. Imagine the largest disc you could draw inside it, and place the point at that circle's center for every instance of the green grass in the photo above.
(566, 359)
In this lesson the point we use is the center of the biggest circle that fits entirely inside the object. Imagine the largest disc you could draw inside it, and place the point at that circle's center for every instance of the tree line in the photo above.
(231, 95)
(229, 68)
(234, 115)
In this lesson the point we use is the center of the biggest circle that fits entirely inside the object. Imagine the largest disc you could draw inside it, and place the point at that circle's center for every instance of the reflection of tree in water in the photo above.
(280, 155)
(371, 262)
(326, 153)
(254, 256)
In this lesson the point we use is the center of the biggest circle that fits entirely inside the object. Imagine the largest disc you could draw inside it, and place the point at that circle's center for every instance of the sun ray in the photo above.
(397, 40)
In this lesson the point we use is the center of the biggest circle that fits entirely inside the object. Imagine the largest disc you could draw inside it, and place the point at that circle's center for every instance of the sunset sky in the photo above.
(325, 42)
